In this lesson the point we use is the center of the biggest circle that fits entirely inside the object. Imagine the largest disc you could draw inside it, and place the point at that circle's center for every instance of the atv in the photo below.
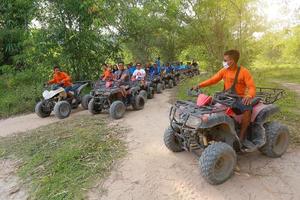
(145, 88)
(156, 83)
(87, 98)
(56, 99)
(210, 129)
(110, 98)
(169, 80)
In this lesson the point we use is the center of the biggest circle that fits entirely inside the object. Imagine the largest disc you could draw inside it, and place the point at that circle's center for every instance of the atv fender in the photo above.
(265, 113)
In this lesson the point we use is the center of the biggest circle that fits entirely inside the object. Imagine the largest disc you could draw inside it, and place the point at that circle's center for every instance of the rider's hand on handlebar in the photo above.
(247, 100)
(195, 87)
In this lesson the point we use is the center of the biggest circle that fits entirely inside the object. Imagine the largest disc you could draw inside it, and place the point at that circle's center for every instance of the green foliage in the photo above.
(61, 160)
(281, 47)
(20, 93)
(15, 19)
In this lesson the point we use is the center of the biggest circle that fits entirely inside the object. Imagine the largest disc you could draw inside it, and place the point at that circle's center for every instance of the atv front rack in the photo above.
(269, 95)
(182, 111)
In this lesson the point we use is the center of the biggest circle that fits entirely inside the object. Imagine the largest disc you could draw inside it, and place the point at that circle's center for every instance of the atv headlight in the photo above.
(193, 121)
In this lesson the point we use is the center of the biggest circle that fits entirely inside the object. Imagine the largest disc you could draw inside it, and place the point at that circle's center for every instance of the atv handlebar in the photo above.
(194, 92)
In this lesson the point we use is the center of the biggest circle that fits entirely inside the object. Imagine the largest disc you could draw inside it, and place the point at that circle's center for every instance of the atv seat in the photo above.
(203, 100)
(78, 89)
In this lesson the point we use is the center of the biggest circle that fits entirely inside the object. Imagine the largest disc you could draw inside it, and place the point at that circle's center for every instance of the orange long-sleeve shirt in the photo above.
(107, 75)
(245, 81)
(61, 76)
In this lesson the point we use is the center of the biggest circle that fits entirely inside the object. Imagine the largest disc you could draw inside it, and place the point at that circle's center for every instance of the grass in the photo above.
(64, 159)
(267, 77)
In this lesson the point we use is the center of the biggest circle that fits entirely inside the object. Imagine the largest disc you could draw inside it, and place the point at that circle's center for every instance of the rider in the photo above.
(107, 75)
(139, 74)
(123, 77)
(168, 69)
(244, 83)
(61, 79)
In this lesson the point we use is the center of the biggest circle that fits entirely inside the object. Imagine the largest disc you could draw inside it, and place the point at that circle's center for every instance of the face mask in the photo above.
(225, 65)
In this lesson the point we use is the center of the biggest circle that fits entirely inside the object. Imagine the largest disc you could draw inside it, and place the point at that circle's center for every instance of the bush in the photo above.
(21, 91)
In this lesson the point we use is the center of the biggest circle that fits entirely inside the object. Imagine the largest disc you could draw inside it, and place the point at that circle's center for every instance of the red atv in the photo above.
(210, 129)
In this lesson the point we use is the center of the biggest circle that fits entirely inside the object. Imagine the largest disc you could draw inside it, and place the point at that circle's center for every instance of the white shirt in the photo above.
(139, 74)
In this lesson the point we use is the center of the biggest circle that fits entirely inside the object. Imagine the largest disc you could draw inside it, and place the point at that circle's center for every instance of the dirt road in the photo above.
(28, 122)
(150, 171)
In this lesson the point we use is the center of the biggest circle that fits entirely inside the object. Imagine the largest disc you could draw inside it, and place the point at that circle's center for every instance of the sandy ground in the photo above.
(28, 122)
(150, 171)
(10, 185)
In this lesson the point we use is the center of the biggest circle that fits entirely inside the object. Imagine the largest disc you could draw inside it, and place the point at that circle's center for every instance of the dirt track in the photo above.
(152, 172)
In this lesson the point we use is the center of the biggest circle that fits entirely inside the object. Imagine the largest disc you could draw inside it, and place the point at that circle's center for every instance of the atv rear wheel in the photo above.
(117, 110)
(144, 94)
(217, 163)
(41, 111)
(159, 88)
(170, 83)
(94, 108)
(85, 101)
(163, 85)
(138, 102)
(62, 109)
(277, 136)
(171, 140)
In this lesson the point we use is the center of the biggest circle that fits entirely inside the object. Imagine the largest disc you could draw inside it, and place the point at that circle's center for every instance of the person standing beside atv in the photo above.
(237, 79)
(61, 79)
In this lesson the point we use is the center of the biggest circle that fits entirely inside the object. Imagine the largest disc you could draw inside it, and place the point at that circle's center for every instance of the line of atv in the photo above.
(106, 96)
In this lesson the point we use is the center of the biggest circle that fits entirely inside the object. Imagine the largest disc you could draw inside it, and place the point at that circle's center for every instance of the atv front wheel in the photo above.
(138, 102)
(171, 141)
(144, 94)
(277, 136)
(150, 94)
(85, 101)
(41, 110)
(117, 110)
(159, 88)
(62, 109)
(217, 163)
(94, 108)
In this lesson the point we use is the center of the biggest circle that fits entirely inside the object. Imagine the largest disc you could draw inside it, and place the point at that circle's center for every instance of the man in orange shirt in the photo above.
(244, 82)
(107, 73)
(62, 79)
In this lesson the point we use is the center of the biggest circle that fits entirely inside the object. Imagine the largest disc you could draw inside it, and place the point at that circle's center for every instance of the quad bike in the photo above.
(209, 129)
(110, 98)
(169, 80)
(87, 98)
(188, 73)
(56, 99)
(145, 88)
(177, 77)
(156, 83)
